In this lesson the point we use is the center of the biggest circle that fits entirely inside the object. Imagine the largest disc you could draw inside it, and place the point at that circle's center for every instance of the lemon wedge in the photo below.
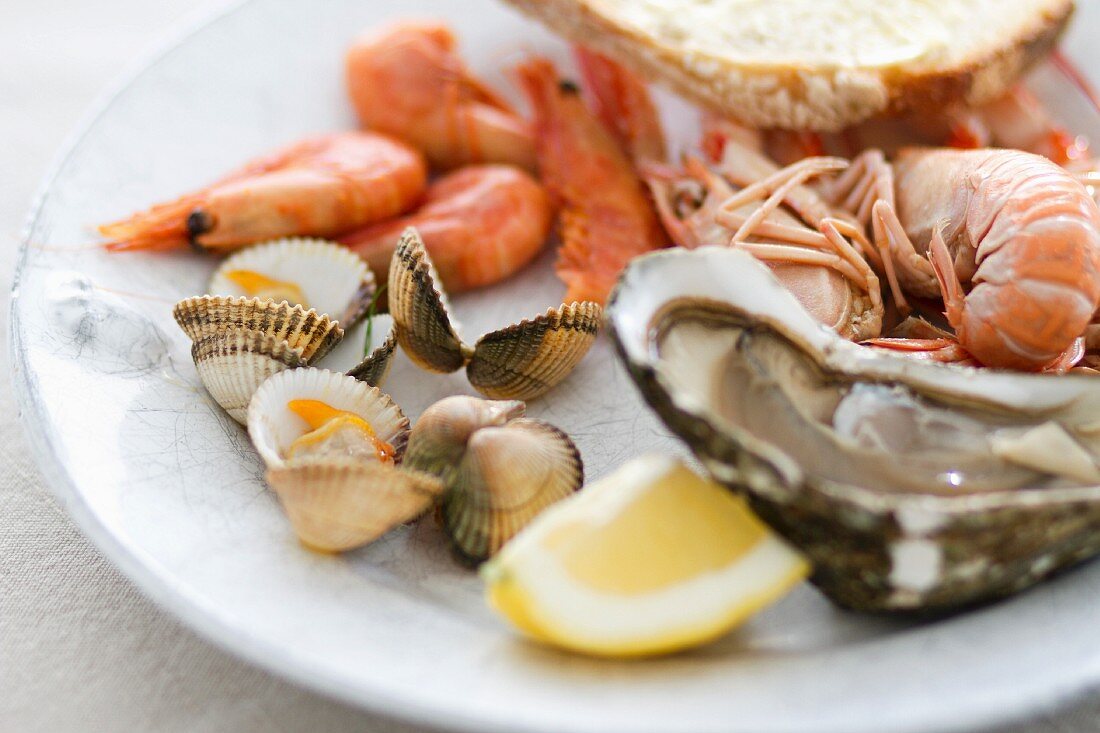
(650, 559)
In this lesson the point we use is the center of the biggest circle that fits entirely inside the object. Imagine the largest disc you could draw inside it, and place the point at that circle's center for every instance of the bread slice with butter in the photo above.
(817, 64)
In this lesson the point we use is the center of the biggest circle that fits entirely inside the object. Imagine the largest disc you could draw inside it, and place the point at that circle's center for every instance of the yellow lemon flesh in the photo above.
(335, 432)
(261, 286)
(651, 559)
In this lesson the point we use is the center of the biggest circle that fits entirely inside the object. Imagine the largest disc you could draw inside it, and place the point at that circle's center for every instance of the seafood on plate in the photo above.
(333, 447)
(409, 81)
(317, 187)
(1009, 240)
(606, 217)
(907, 485)
(499, 469)
(480, 224)
(282, 305)
(521, 361)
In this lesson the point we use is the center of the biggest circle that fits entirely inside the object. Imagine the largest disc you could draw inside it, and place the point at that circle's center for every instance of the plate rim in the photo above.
(204, 619)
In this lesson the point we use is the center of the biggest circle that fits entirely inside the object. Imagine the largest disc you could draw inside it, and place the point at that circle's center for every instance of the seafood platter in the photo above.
(776, 380)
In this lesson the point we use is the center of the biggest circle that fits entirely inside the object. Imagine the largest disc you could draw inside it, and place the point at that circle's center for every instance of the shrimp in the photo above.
(409, 81)
(318, 187)
(607, 218)
(479, 223)
(1009, 240)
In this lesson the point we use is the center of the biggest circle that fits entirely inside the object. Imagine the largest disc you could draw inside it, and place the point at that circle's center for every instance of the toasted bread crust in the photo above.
(825, 99)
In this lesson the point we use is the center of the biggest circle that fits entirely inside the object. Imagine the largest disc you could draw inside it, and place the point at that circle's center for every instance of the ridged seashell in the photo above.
(367, 362)
(233, 365)
(205, 315)
(499, 469)
(518, 362)
(273, 427)
(439, 438)
(332, 279)
(339, 505)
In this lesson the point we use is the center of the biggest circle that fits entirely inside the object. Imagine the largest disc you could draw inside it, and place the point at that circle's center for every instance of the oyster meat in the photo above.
(909, 485)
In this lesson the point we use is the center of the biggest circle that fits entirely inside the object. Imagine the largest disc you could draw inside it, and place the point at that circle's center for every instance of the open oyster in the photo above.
(519, 362)
(909, 485)
(333, 447)
(281, 305)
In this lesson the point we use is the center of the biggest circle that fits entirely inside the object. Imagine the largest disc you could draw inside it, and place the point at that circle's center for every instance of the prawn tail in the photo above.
(163, 227)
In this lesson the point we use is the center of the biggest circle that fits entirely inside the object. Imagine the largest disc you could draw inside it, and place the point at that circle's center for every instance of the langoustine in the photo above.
(320, 186)
(480, 224)
(1009, 240)
(409, 81)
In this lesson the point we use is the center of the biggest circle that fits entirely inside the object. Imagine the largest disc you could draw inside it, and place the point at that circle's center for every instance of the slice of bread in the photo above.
(817, 64)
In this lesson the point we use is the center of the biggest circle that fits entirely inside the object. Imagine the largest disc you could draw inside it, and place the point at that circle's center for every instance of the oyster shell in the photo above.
(521, 361)
(312, 273)
(911, 486)
(499, 469)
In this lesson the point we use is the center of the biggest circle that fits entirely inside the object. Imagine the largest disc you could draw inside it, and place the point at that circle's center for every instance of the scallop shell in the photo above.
(439, 438)
(232, 365)
(506, 477)
(339, 505)
(303, 329)
(521, 361)
(273, 427)
(333, 280)
(525, 360)
(348, 356)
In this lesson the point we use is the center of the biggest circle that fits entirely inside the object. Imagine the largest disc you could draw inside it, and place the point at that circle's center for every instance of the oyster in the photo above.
(261, 311)
(499, 469)
(521, 361)
(909, 485)
(332, 445)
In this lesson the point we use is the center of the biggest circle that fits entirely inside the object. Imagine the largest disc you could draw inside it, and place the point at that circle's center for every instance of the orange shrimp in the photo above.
(606, 217)
(1009, 240)
(318, 187)
(480, 224)
(409, 81)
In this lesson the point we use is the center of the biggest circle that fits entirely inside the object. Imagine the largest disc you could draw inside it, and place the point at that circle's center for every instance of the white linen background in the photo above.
(81, 649)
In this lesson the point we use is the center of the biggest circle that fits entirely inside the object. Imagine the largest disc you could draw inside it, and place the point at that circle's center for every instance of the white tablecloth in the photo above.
(80, 648)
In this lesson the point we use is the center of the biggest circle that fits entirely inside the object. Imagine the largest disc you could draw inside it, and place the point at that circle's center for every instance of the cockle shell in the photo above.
(273, 427)
(333, 280)
(339, 505)
(204, 315)
(233, 365)
(909, 485)
(518, 362)
(499, 469)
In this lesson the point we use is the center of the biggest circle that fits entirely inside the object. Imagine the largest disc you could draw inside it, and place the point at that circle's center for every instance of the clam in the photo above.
(521, 361)
(499, 469)
(332, 445)
(911, 486)
(312, 273)
(276, 298)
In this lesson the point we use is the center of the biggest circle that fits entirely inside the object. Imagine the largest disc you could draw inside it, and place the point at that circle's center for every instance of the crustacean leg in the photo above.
(866, 190)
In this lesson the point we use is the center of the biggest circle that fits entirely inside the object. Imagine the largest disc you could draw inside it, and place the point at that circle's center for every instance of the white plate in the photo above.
(170, 489)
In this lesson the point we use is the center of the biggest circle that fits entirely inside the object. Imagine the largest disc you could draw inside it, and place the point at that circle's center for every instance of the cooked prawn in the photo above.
(607, 218)
(409, 81)
(320, 187)
(480, 224)
(1008, 239)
